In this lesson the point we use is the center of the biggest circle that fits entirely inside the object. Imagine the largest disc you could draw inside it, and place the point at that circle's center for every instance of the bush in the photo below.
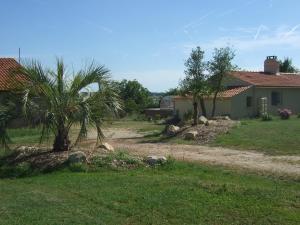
(78, 167)
(284, 113)
(116, 160)
(266, 117)
(20, 170)
(188, 115)
(298, 115)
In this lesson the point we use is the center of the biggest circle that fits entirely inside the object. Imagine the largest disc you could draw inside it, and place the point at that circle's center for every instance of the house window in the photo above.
(249, 101)
(275, 98)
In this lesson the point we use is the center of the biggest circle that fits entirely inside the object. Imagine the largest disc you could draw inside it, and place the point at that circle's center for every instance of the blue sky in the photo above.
(148, 40)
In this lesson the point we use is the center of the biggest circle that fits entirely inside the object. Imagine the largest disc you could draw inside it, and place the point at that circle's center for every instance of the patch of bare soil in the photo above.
(249, 160)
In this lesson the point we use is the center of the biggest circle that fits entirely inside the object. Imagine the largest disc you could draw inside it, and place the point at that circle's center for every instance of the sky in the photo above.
(148, 40)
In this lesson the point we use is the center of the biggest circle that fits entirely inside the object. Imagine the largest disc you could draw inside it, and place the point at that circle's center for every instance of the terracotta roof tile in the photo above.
(232, 92)
(268, 80)
(7, 82)
(224, 94)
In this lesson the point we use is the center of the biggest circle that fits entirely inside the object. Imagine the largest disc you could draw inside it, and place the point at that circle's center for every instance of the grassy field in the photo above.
(276, 137)
(178, 193)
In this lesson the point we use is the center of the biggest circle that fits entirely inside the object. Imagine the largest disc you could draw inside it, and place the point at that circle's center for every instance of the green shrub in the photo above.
(188, 115)
(19, 170)
(116, 160)
(78, 167)
(266, 117)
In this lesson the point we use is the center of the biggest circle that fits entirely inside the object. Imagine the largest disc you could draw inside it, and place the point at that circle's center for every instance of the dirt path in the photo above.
(280, 165)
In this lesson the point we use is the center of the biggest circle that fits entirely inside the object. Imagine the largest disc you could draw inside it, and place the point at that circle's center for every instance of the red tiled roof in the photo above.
(7, 81)
(224, 94)
(232, 92)
(268, 80)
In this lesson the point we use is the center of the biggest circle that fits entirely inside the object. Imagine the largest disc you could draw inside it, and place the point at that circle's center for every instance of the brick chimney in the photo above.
(271, 65)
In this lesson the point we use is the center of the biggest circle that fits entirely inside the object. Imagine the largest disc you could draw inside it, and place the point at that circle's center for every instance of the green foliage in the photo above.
(266, 117)
(12, 171)
(195, 82)
(135, 97)
(286, 66)
(78, 167)
(172, 91)
(219, 67)
(116, 160)
(188, 115)
(60, 102)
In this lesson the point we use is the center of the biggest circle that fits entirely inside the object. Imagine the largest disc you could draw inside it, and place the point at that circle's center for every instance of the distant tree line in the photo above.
(135, 96)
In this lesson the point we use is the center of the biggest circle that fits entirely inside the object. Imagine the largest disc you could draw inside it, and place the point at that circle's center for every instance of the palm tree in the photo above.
(60, 101)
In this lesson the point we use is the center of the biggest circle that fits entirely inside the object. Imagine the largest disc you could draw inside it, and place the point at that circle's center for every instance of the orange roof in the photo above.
(7, 81)
(232, 92)
(268, 80)
(224, 94)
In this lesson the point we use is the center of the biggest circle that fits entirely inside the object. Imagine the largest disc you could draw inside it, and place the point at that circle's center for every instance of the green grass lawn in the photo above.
(276, 137)
(137, 125)
(178, 193)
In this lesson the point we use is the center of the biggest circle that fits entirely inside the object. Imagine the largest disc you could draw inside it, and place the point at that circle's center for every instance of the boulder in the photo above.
(107, 147)
(211, 122)
(191, 135)
(227, 118)
(77, 157)
(172, 130)
(155, 160)
(203, 120)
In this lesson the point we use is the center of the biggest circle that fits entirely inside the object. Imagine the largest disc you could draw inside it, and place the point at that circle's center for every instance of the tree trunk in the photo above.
(61, 142)
(195, 104)
(203, 109)
(214, 104)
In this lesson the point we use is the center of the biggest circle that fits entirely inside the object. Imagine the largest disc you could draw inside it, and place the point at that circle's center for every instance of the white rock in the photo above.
(107, 147)
(191, 135)
(172, 130)
(203, 120)
(211, 122)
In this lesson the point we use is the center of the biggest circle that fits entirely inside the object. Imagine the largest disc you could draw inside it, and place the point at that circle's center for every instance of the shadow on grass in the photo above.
(16, 164)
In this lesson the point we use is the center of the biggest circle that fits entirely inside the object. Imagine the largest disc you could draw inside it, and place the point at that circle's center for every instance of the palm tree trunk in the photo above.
(61, 142)
(195, 116)
(203, 109)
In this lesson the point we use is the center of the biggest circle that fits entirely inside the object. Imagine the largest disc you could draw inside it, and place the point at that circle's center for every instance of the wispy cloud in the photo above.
(259, 30)
(282, 36)
(100, 27)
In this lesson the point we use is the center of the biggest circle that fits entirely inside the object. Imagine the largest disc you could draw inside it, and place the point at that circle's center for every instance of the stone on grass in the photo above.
(203, 120)
(107, 147)
(191, 135)
(77, 157)
(153, 160)
(172, 130)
